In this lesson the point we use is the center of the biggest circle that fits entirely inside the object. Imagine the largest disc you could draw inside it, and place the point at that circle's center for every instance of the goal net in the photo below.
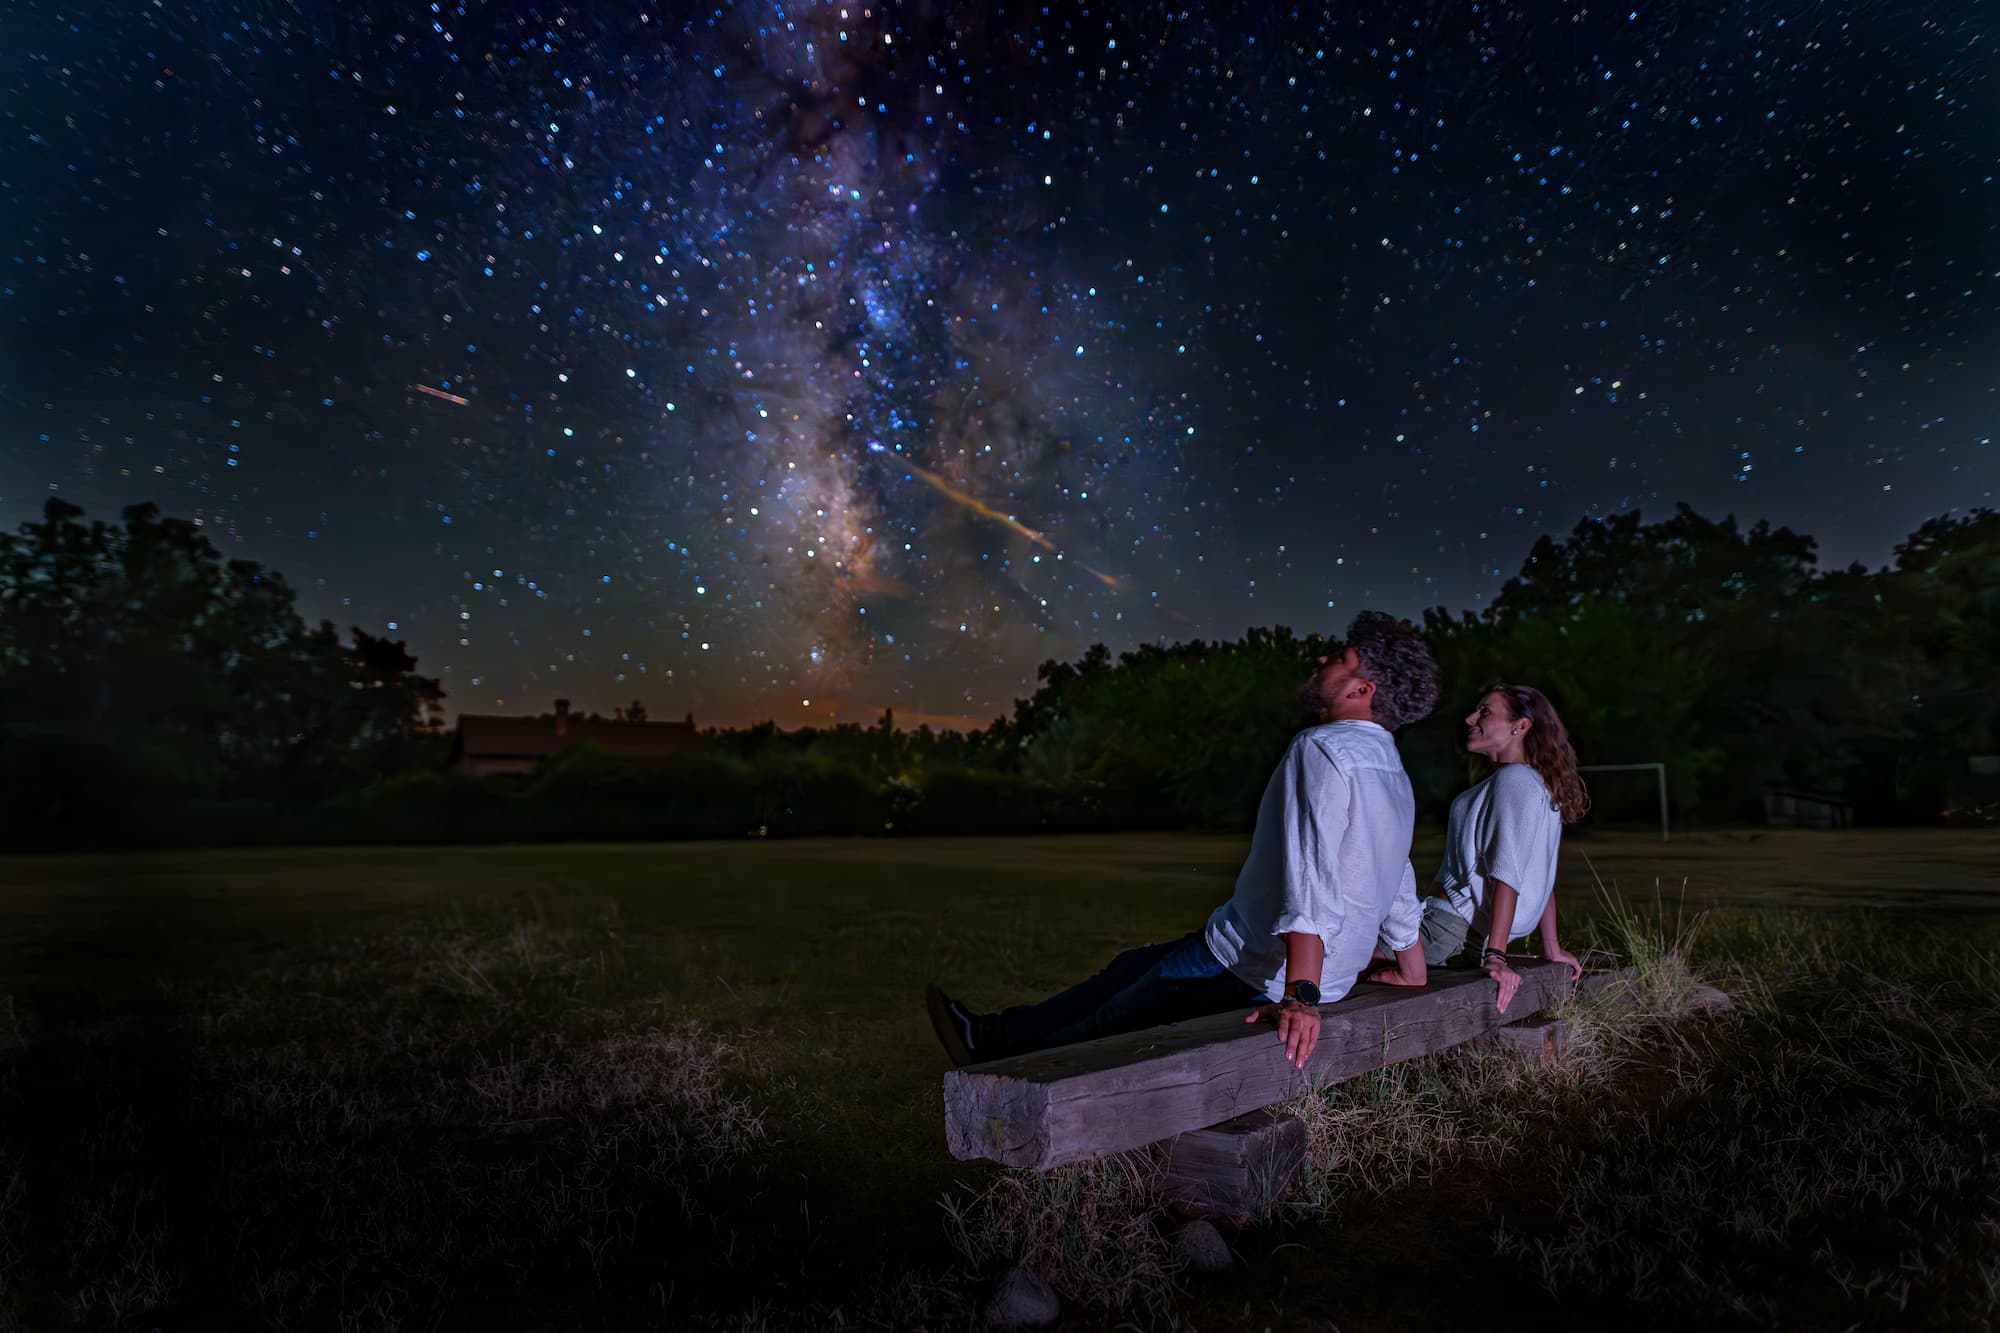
(1628, 794)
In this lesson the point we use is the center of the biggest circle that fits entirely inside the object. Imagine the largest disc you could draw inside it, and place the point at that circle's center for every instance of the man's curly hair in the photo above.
(1396, 659)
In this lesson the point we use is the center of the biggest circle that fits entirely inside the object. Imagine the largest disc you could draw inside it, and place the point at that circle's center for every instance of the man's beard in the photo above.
(1311, 699)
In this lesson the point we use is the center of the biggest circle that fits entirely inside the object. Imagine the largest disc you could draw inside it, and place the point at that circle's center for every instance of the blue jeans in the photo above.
(1140, 988)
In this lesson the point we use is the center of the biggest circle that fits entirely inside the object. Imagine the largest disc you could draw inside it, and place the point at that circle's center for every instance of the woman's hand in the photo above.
(1557, 953)
(1506, 977)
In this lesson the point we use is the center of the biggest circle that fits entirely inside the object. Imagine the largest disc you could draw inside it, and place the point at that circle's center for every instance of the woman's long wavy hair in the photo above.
(1549, 751)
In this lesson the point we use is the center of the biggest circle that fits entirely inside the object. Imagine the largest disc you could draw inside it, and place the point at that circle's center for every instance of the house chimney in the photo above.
(562, 717)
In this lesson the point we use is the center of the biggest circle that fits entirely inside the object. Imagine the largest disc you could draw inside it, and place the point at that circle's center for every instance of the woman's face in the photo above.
(1489, 728)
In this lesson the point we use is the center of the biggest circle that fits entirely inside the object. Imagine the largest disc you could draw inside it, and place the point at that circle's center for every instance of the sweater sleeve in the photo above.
(1507, 826)
(1313, 810)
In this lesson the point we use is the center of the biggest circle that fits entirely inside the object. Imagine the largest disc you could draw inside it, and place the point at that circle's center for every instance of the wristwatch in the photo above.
(1305, 992)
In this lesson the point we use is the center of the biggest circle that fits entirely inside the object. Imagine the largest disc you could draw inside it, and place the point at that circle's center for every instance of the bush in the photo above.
(796, 796)
(81, 785)
(585, 794)
(980, 801)
(409, 807)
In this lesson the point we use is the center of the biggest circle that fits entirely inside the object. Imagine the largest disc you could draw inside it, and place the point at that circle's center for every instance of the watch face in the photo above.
(1306, 992)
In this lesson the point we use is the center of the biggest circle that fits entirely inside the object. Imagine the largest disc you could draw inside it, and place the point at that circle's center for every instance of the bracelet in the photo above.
(1485, 954)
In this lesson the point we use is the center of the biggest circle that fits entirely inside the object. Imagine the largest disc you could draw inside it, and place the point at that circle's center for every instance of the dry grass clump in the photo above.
(354, 1136)
(1472, 1106)
(1833, 1159)
(1092, 1230)
(106, 1225)
(1828, 1157)
(1377, 1134)
(558, 1139)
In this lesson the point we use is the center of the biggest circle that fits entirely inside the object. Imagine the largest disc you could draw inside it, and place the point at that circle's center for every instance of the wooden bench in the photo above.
(1199, 1087)
(1115, 1093)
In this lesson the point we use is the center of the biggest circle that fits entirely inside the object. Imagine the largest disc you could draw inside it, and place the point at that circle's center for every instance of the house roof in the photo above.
(492, 736)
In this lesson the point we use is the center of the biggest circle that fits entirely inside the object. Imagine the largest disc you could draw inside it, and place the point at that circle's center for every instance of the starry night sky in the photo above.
(802, 360)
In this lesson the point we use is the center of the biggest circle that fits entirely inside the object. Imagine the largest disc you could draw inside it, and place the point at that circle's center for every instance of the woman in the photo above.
(1498, 878)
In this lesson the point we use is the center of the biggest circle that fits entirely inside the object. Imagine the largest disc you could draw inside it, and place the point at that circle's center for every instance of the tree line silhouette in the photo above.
(153, 692)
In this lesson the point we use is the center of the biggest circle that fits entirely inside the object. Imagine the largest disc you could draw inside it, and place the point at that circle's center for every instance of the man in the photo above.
(1327, 875)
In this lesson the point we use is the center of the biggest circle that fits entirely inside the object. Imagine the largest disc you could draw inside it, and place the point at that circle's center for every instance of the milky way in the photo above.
(806, 360)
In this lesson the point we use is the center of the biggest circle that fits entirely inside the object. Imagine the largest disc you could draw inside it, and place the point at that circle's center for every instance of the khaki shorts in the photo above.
(1443, 935)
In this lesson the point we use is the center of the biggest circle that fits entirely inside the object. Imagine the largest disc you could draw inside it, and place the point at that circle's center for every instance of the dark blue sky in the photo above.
(802, 361)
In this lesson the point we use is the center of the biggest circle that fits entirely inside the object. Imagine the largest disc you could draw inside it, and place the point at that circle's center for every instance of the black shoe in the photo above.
(953, 1023)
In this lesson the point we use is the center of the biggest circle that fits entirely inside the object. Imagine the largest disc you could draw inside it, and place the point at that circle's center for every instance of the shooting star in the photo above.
(984, 510)
(440, 393)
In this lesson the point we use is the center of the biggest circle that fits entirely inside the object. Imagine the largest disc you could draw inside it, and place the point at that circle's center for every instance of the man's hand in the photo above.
(1508, 979)
(1567, 959)
(1298, 1027)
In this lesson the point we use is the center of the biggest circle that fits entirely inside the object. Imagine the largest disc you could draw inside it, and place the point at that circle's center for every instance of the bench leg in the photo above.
(1537, 1040)
(1235, 1172)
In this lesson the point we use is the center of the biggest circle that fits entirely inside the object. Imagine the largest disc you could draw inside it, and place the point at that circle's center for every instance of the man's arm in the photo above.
(1298, 1022)
(1312, 810)
(1405, 923)
(1408, 971)
(1305, 959)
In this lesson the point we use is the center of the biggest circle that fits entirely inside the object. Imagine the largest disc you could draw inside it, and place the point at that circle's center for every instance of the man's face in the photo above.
(1336, 671)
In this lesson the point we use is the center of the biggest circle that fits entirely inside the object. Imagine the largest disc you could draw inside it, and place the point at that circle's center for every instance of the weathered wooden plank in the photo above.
(1537, 1041)
(1235, 1172)
(1105, 1096)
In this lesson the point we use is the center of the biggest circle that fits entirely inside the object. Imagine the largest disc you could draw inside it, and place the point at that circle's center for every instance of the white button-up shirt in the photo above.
(1331, 855)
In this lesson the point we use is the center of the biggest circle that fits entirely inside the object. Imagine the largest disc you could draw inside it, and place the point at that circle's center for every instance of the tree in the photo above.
(1933, 654)
(1690, 640)
(142, 637)
(1191, 730)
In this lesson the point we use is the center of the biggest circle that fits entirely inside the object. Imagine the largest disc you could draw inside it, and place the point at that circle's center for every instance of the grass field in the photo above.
(691, 1085)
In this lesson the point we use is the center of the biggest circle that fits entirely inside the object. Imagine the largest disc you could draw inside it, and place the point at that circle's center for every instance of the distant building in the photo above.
(488, 743)
(1784, 808)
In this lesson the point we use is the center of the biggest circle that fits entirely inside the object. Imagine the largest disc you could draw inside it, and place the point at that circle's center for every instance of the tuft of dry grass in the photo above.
(359, 1131)
(1827, 1155)
(1377, 1134)
(1092, 1230)
(1830, 1157)
(1471, 1107)
(482, 1117)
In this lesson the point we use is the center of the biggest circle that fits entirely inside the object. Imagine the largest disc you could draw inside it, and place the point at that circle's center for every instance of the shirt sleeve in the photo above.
(1507, 826)
(1313, 810)
(1406, 913)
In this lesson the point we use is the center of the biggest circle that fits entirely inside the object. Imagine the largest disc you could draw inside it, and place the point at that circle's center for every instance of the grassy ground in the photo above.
(691, 1084)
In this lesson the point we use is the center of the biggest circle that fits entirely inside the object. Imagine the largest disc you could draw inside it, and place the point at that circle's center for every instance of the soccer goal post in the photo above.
(1659, 772)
